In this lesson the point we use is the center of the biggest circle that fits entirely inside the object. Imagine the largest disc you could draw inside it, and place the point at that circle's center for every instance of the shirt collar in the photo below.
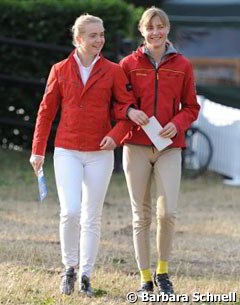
(79, 61)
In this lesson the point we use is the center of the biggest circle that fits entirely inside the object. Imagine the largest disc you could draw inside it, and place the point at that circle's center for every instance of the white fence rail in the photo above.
(222, 125)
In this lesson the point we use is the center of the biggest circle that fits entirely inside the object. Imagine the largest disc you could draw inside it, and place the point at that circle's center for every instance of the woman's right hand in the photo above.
(36, 162)
(138, 116)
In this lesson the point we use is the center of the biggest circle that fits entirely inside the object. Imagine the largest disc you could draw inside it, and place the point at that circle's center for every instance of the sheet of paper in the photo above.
(42, 187)
(152, 129)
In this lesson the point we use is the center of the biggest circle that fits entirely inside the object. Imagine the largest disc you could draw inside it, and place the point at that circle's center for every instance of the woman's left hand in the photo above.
(107, 143)
(168, 131)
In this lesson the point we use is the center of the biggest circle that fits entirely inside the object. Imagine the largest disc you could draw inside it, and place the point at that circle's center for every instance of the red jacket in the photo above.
(167, 92)
(85, 110)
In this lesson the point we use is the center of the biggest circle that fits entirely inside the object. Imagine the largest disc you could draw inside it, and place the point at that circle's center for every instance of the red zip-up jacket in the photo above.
(167, 92)
(85, 110)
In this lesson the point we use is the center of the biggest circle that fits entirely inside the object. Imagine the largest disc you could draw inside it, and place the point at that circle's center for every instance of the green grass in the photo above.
(205, 257)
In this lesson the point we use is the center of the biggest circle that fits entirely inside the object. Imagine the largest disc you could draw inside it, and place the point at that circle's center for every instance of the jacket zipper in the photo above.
(156, 92)
(156, 85)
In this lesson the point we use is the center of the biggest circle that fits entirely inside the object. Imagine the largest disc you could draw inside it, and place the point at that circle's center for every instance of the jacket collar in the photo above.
(142, 51)
(97, 72)
(78, 60)
(73, 60)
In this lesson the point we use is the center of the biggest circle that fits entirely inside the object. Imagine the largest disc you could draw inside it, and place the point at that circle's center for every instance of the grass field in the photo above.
(206, 255)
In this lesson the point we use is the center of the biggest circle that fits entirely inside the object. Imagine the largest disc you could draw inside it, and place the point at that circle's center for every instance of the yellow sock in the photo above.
(162, 267)
(145, 275)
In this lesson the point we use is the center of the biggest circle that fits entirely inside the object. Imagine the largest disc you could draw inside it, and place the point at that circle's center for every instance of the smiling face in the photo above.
(92, 40)
(155, 33)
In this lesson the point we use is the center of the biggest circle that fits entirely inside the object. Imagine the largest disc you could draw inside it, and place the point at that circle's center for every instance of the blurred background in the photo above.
(34, 34)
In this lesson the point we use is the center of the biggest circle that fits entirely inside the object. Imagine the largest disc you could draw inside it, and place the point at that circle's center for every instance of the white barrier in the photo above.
(222, 125)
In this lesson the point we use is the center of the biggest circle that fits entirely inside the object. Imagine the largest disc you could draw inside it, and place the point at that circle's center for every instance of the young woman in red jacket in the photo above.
(83, 87)
(163, 84)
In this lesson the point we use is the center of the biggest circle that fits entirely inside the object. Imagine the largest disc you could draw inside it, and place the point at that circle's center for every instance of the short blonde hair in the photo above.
(151, 12)
(79, 26)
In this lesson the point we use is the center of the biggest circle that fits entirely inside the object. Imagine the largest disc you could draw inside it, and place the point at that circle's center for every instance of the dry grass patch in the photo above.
(206, 255)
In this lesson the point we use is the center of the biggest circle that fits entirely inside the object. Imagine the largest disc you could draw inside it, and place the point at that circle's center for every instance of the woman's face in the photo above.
(155, 33)
(92, 40)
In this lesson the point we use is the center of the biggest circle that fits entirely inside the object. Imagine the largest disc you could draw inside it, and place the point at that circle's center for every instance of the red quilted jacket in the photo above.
(85, 110)
(167, 92)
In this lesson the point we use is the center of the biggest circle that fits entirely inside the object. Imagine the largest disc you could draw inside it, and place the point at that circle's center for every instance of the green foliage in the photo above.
(48, 21)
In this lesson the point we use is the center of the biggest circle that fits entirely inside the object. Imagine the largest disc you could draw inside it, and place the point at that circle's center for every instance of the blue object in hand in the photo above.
(42, 186)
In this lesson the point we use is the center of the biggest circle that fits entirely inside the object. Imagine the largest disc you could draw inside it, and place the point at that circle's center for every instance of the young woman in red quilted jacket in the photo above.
(163, 84)
(83, 87)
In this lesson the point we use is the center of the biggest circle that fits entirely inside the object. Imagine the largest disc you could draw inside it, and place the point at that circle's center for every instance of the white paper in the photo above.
(152, 129)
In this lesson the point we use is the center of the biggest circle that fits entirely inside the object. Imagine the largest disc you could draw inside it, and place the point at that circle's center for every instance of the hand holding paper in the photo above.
(152, 130)
(169, 130)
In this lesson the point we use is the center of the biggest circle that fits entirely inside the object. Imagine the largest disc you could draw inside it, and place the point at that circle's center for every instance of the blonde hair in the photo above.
(151, 12)
(79, 26)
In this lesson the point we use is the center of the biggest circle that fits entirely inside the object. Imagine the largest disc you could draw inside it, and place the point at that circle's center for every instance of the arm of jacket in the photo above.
(122, 95)
(123, 99)
(46, 114)
(123, 65)
(189, 105)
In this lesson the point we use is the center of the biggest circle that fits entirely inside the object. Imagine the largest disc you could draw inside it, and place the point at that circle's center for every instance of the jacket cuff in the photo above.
(177, 126)
(120, 131)
(117, 138)
(38, 149)
(127, 108)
